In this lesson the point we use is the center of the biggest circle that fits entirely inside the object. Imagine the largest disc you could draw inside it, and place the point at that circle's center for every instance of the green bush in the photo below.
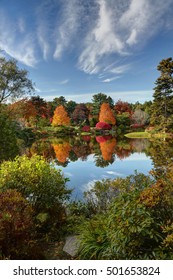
(136, 224)
(41, 184)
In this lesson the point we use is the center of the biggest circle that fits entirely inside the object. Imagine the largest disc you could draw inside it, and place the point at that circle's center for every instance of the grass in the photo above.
(138, 135)
(150, 135)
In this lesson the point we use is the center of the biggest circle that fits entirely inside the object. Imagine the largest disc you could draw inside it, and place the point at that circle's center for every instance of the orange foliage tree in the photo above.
(107, 148)
(60, 116)
(106, 114)
(62, 151)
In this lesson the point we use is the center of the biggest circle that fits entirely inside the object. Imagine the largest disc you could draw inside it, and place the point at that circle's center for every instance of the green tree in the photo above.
(70, 107)
(98, 99)
(162, 108)
(8, 139)
(14, 82)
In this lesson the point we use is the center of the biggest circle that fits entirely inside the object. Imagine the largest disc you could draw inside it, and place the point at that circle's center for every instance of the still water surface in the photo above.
(83, 174)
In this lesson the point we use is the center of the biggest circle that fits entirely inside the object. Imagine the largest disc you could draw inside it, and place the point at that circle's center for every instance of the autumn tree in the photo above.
(162, 108)
(62, 151)
(23, 109)
(57, 101)
(97, 100)
(122, 107)
(80, 114)
(60, 117)
(14, 82)
(108, 148)
(106, 114)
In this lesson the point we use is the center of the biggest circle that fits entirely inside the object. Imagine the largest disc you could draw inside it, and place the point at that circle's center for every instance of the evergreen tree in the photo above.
(162, 108)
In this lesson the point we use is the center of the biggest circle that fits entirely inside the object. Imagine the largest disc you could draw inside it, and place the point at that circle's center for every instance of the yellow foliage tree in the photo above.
(60, 116)
(106, 114)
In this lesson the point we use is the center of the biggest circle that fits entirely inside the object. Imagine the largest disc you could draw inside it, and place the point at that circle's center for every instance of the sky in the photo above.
(78, 48)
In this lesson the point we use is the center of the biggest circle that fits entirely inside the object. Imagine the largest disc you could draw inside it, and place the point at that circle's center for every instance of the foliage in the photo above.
(122, 107)
(103, 125)
(13, 81)
(123, 122)
(97, 100)
(41, 184)
(133, 223)
(106, 114)
(60, 117)
(80, 114)
(108, 148)
(16, 225)
(86, 128)
(140, 117)
(162, 111)
(62, 151)
(8, 140)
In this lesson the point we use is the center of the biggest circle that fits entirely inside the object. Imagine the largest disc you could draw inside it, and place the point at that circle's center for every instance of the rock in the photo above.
(71, 245)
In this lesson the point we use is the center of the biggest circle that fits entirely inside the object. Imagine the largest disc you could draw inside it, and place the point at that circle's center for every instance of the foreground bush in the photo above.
(137, 222)
(41, 184)
(16, 225)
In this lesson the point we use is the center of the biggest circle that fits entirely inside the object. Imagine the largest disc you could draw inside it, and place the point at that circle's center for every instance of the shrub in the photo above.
(41, 184)
(135, 223)
(86, 128)
(102, 139)
(15, 225)
(103, 125)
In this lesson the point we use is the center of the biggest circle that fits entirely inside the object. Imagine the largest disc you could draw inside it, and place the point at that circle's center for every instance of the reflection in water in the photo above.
(62, 151)
(88, 159)
(104, 148)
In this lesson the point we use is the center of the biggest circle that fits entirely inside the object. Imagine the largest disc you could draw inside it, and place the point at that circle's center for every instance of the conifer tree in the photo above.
(162, 108)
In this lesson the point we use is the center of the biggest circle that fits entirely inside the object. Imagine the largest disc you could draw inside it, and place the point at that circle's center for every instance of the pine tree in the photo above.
(106, 114)
(162, 108)
(60, 117)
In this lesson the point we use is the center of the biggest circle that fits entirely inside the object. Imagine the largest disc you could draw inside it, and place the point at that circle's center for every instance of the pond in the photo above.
(85, 160)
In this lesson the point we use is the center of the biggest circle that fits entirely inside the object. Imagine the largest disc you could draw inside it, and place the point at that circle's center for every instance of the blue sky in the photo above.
(77, 48)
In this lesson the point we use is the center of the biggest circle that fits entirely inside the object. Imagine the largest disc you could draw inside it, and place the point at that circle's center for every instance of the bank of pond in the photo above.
(129, 217)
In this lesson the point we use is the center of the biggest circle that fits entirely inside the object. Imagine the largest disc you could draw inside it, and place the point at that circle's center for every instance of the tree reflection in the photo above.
(161, 153)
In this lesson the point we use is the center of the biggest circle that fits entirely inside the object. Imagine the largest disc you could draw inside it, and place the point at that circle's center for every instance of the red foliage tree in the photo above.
(80, 114)
(122, 107)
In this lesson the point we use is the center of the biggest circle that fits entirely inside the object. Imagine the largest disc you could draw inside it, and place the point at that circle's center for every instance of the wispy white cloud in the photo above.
(102, 34)
(108, 80)
(22, 48)
(64, 82)
(114, 173)
(67, 28)
(21, 25)
(100, 41)
(120, 26)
